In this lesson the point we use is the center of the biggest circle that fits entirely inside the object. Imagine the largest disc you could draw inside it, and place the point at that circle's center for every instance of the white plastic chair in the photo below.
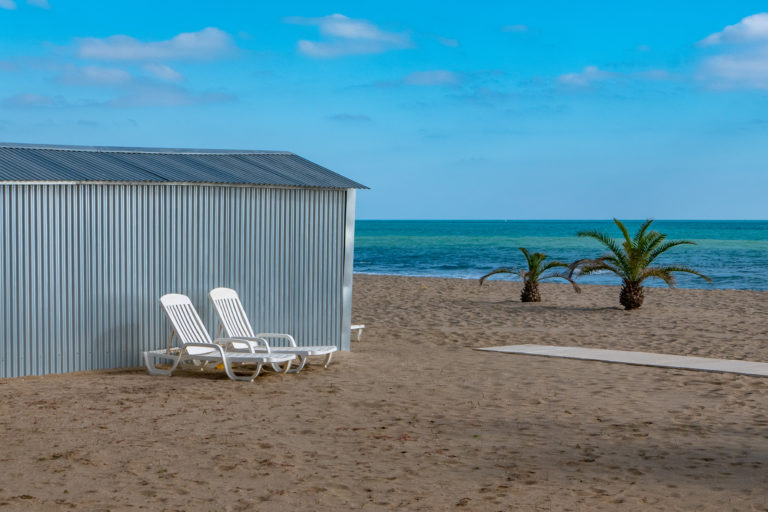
(235, 322)
(199, 350)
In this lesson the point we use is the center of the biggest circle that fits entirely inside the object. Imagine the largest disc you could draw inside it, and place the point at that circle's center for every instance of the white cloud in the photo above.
(586, 77)
(435, 77)
(163, 72)
(321, 49)
(43, 4)
(737, 71)
(348, 28)
(208, 43)
(751, 28)
(742, 59)
(94, 75)
(348, 36)
(7, 4)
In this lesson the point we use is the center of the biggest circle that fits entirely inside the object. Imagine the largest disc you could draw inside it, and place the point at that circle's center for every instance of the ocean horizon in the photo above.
(734, 253)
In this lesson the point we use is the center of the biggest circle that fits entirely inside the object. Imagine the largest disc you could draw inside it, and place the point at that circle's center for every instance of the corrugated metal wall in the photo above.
(82, 267)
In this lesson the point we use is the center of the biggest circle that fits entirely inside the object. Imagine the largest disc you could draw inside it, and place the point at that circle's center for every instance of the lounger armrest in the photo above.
(207, 345)
(249, 341)
(277, 335)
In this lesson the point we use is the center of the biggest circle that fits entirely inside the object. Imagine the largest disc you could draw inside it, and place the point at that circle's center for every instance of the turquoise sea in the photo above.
(733, 253)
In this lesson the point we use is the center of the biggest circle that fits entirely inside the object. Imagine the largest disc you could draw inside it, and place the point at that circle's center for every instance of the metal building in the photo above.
(91, 237)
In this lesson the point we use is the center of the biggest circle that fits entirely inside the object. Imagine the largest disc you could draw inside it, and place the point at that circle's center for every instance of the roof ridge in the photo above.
(46, 162)
(142, 150)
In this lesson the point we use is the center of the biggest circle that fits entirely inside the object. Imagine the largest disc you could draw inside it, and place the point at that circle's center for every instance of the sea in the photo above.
(734, 254)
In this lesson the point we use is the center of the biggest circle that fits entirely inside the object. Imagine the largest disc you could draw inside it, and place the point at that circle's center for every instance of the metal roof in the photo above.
(34, 162)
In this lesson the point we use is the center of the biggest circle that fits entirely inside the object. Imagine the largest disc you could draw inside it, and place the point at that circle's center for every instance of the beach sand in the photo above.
(414, 419)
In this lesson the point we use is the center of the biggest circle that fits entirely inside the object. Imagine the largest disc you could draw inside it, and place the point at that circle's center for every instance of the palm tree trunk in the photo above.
(632, 295)
(530, 292)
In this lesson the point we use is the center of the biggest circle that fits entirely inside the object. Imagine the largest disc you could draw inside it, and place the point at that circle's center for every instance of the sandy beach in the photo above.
(415, 419)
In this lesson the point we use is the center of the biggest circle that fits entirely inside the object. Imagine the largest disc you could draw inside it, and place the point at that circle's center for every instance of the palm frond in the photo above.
(649, 242)
(553, 264)
(665, 247)
(660, 273)
(526, 254)
(641, 232)
(687, 270)
(578, 264)
(607, 241)
(624, 231)
(502, 270)
(567, 276)
(591, 269)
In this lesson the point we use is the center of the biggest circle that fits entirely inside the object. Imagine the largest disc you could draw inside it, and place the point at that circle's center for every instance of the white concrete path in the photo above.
(706, 364)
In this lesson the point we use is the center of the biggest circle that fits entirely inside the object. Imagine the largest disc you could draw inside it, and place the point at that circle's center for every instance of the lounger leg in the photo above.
(327, 360)
(248, 378)
(149, 358)
(287, 367)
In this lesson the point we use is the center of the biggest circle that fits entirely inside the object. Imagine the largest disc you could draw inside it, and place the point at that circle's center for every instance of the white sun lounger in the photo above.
(199, 350)
(235, 322)
(359, 329)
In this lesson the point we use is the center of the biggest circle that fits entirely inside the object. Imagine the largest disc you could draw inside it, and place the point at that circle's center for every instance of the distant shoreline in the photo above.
(558, 220)
(595, 285)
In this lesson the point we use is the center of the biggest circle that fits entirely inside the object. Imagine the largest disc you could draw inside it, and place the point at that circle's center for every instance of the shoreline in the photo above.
(512, 281)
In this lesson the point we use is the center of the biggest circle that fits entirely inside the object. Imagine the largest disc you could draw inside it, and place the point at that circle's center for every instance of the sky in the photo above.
(489, 110)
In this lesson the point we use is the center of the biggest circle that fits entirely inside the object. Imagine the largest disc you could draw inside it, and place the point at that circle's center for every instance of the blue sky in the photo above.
(496, 110)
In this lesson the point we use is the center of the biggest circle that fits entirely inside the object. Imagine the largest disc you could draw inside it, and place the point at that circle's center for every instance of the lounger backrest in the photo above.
(184, 319)
(231, 313)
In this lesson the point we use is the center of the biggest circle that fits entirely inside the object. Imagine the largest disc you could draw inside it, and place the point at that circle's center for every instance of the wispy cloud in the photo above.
(586, 77)
(10, 5)
(93, 75)
(208, 43)
(592, 75)
(163, 72)
(348, 36)
(751, 28)
(139, 95)
(742, 59)
(34, 100)
(748, 70)
(351, 118)
(434, 77)
(483, 96)
(167, 95)
(447, 41)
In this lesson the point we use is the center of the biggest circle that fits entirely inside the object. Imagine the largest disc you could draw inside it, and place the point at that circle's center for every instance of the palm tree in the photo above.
(632, 260)
(535, 273)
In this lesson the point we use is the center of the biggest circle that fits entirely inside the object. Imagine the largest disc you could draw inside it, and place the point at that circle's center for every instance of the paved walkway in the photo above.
(706, 364)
